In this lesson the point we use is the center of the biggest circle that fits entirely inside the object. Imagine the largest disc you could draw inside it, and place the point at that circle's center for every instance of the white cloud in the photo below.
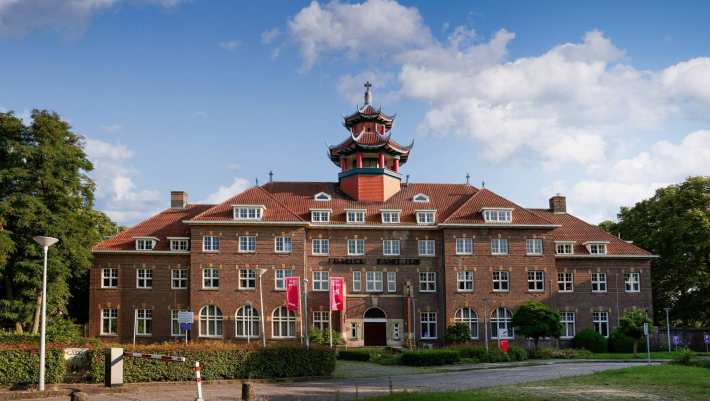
(225, 192)
(230, 45)
(270, 35)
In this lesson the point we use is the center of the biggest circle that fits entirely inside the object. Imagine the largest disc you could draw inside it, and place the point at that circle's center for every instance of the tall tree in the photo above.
(675, 224)
(44, 190)
(535, 320)
(631, 325)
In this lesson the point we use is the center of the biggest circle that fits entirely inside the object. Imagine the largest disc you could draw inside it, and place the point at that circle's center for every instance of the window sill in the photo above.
(465, 291)
(144, 288)
(427, 256)
(565, 291)
(108, 335)
(536, 291)
(246, 289)
(210, 336)
(209, 289)
(319, 254)
(282, 253)
(463, 254)
(427, 292)
(534, 254)
(203, 251)
(428, 338)
(108, 288)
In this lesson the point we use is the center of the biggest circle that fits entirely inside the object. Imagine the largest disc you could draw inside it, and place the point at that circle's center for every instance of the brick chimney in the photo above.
(558, 204)
(178, 199)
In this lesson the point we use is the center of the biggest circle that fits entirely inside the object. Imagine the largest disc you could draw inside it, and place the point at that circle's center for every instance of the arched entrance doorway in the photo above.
(375, 327)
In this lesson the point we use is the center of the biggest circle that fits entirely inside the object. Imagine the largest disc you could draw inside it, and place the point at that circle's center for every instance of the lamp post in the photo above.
(261, 305)
(668, 328)
(305, 313)
(45, 243)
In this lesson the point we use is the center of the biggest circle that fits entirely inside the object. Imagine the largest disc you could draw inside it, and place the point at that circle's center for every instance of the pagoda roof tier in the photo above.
(368, 142)
(369, 113)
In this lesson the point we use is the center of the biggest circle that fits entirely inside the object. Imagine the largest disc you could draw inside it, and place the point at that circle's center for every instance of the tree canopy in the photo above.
(44, 190)
(674, 224)
(534, 320)
(631, 325)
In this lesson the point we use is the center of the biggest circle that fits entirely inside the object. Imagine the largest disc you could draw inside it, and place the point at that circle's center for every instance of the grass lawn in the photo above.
(354, 369)
(641, 355)
(666, 382)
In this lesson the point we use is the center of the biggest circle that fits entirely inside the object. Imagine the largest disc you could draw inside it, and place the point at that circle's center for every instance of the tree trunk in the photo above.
(636, 347)
(18, 328)
(38, 308)
(535, 340)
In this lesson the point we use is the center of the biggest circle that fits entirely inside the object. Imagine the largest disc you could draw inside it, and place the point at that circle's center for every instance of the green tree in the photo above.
(457, 333)
(675, 224)
(631, 325)
(534, 320)
(44, 190)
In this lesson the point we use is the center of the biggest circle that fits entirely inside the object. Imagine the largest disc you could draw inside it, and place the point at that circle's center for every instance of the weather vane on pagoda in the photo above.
(368, 93)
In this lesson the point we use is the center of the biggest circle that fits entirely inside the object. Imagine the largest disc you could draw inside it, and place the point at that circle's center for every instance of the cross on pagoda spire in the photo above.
(368, 93)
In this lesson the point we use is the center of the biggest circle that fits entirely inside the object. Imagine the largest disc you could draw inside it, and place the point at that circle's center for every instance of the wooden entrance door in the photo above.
(375, 333)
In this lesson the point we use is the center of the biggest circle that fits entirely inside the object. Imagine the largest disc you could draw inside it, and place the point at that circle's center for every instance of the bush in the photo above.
(354, 356)
(684, 358)
(473, 352)
(620, 342)
(542, 353)
(516, 353)
(590, 340)
(496, 355)
(21, 366)
(432, 357)
(318, 336)
(63, 330)
(457, 333)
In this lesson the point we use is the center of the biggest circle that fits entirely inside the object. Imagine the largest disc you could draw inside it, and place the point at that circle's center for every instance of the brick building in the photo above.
(415, 258)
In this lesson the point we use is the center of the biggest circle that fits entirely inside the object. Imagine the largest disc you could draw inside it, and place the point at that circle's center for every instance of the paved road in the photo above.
(346, 388)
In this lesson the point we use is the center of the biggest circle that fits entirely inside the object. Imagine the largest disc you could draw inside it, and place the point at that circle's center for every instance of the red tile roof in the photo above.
(470, 212)
(273, 209)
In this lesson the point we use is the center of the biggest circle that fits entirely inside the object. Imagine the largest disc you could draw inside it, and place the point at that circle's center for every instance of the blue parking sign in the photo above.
(185, 326)
(676, 340)
(707, 339)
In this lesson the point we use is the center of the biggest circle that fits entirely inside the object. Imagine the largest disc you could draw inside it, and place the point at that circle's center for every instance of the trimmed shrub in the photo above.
(542, 353)
(345, 355)
(318, 336)
(496, 355)
(619, 342)
(516, 353)
(21, 366)
(684, 358)
(457, 333)
(590, 340)
(432, 357)
(474, 352)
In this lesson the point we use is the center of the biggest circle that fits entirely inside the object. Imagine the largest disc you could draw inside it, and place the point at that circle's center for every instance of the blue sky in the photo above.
(602, 101)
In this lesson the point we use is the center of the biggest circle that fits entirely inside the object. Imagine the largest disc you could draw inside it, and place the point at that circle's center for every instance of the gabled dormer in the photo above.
(145, 243)
(248, 212)
(322, 197)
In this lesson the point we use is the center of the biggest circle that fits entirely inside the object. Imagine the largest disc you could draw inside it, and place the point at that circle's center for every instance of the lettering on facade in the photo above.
(398, 261)
(346, 261)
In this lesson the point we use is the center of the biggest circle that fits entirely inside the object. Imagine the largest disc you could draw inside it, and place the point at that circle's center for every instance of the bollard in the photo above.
(247, 392)
(78, 396)
(390, 382)
(113, 363)
(357, 393)
(198, 380)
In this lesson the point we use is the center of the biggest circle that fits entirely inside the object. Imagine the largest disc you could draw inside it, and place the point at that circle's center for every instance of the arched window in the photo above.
(283, 323)
(246, 322)
(211, 321)
(500, 319)
(468, 317)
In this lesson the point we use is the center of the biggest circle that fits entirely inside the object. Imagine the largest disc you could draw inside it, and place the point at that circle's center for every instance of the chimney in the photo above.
(178, 199)
(558, 204)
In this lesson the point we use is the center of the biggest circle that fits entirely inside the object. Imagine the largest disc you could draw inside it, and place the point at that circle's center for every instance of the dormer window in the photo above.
(355, 216)
(426, 216)
(564, 247)
(596, 247)
(420, 198)
(248, 212)
(390, 216)
(322, 197)
(497, 215)
(146, 243)
(320, 215)
(179, 243)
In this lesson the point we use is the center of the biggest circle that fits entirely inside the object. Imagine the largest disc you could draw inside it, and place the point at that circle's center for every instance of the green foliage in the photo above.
(620, 342)
(472, 352)
(631, 325)
(684, 358)
(354, 355)
(675, 224)
(555, 353)
(63, 330)
(44, 190)
(321, 337)
(590, 340)
(432, 357)
(21, 366)
(457, 333)
(516, 353)
(535, 320)
(479, 354)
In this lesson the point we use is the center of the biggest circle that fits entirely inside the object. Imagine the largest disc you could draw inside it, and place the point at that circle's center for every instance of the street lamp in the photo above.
(304, 317)
(45, 243)
(668, 328)
(261, 304)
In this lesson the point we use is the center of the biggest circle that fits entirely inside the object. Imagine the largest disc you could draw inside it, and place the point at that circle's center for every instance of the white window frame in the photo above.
(280, 276)
(211, 322)
(396, 331)
(469, 317)
(320, 246)
(145, 244)
(144, 278)
(112, 277)
(497, 215)
(248, 212)
(499, 246)
(632, 282)
(357, 281)
(502, 278)
(247, 243)
(567, 247)
(109, 315)
(600, 322)
(565, 282)
(322, 197)
(568, 321)
(247, 279)
(426, 247)
(391, 281)
(321, 280)
(599, 283)
(465, 279)
(427, 281)
(420, 198)
(596, 247)
(283, 244)
(428, 320)
(536, 281)
(320, 215)
(144, 322)
(426, 217)
(179, 276)
(373, 281)
(210, 275)
(179, 244)
(391, 247)
(390, 216)
(464, 246)
(355, 216)
(502, 322)
(533, 247)
(285, 319)
(246, 322)
(210, 243)
(321, 320)
(356, 247)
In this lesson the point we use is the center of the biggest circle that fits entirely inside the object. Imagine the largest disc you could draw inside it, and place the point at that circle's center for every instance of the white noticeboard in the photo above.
(645, 329)
(184, 317)
(502, 333)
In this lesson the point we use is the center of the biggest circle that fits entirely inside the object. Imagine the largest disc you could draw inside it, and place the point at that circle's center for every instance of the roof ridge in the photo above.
(478, 191)
(280, 204)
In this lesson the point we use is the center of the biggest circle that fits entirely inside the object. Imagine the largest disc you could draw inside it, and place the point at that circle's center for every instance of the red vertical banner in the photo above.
(293, 289)
(337, 294)
(504, 345)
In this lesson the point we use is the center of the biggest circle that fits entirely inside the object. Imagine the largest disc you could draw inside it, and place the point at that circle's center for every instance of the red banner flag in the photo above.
(337, 294)
(293, 290)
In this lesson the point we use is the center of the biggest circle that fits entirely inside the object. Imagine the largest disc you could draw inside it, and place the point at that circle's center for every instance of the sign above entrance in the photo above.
(398, 261)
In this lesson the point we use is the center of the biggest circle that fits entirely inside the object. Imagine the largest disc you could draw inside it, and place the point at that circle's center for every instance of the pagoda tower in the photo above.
(369, 159)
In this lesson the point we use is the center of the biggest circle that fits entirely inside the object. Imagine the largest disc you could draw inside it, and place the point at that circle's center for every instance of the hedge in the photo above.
(590, 340)
(354, 355)
(21, 366)
(220, 361)
(619, 342)
(432, 357)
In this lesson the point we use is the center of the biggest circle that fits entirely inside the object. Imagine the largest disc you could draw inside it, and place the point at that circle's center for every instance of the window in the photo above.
(425, 216)
(390, 247)
(533, 246)
(211, 320)
(181, 244)
(426, 247)
(536, 281)
(144, 322)
(464, 246)
(320, 281)
(598, 282)
(322, 197)
(391, 281)
(464, 281)
(632, 282)
(355, 216)
(601, 323)
(210, 243)
(321, 320)
(357, 281)
(280, 276)
(210, 278)
(246, 322)
(320, 246)
(500, 281)
(247, 243)
(500, 320)
(396, 331)
(178, 279)
(282, 244)
(109, 321)
(248, 212)
(427, 281)
(283, 323)
(596, 248)
(373, 281)
(144, 244)
(356, 247)
(144, 278)
(320, 216)
(565, 282)
(420, 198)
(498, 215)
(468, 317)
(567, 320)
(564, 248)
(109, 278)
(247, 279)
(428, 325)
(175, 330)
(390, 216)
(499, 246)
(353, 331)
